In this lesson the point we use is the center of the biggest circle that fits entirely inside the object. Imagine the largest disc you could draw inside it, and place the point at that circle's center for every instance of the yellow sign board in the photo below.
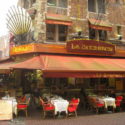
(22, 49)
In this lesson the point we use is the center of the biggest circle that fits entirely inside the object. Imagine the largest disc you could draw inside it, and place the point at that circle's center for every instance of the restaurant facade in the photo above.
(76, 45)
(76, 40)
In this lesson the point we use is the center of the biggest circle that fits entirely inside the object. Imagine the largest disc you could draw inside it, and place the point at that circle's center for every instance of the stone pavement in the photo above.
(91, 119)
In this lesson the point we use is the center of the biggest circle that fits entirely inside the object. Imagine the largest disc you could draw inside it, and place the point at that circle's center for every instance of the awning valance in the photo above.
(99, 25)
(72, 66)
(58, 19)
(5, 67)
(59, 22)
(33, 63)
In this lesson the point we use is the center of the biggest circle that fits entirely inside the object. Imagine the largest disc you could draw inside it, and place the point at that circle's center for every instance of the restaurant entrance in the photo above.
(70, 77)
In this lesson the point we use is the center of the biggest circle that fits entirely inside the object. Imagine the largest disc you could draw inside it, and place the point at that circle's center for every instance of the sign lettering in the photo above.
(22, 49)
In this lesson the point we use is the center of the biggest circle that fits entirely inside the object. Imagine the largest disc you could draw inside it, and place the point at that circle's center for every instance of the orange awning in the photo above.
(100, 25)
(5, 66)
(72, 66)
(59, 22)
(33, 63)
(58, 19)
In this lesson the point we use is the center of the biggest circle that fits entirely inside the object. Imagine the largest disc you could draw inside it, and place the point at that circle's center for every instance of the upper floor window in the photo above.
(57, 3)
(119, 33)
(97, 34)
(51, 2)
(119, 30)
(102, 35)
(33, 1)
(56, 33)
(117, 1)
(97, 6)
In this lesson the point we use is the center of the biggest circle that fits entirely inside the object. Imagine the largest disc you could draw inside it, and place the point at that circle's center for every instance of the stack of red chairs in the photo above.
(73, 105)
(47, 107)
(118, 101)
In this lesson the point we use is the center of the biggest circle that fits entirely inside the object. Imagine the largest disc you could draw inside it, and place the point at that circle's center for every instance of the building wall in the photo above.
(116, 13)
(78, 11)
(4, 46)
(39, 21)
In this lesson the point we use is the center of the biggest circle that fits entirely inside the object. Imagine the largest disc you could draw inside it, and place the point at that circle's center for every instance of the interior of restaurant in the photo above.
(32, 82)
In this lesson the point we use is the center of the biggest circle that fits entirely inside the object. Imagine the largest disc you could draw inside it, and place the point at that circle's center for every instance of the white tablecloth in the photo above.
(109, 101)
(60, 105)
(14, 103)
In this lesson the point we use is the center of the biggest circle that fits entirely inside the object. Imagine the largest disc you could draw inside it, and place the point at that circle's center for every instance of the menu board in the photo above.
(6, 110)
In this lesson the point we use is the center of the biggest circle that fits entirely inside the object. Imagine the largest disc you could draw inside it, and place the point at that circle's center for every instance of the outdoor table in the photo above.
(60, 104)
(109, 101)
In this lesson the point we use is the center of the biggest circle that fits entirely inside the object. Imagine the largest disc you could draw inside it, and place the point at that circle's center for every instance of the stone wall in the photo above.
(78, 11)
(39, 21)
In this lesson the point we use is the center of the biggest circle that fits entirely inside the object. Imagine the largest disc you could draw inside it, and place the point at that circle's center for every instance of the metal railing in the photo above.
(57, 10)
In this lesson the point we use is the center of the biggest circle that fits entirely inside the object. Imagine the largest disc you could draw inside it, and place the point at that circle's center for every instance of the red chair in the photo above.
(22, 99)
(96, 104)
(118, 101)
(119, 98)
(73, 105)
(47, 107)
(23, 105)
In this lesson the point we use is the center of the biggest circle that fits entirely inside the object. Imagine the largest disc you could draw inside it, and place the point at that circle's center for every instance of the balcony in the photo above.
(57, 10)
(99, 16)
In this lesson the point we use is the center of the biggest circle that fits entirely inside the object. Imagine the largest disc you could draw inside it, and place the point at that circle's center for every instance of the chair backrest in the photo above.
(22, 99)
(120, 98)
(47, 106)
(28, 101)
(93, 102)
(74, 102)
(41, 101)
(96, 102)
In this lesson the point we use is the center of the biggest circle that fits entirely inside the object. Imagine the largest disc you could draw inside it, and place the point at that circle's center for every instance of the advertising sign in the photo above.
(90, 46)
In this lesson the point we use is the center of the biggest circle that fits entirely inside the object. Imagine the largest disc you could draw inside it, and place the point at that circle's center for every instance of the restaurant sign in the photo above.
(22, 49)
(90, 46)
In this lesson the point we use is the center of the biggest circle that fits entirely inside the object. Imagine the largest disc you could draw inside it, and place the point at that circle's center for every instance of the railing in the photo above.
(98, 16)
(57, 10)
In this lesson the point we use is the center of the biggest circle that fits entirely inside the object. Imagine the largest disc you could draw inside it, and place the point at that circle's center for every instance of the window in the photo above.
(92, 33)
(97, 34)
(62, 32)
(119, 34)
(117, 1)
(101, 6)
(56, 83)
(102, 35)
(57, 3)
(119, 30)
(33, 1)
(63, 3)
(57, 6)
(56, 33)
(50, 32)
(96, 6)
(51, 2)
(91, 5)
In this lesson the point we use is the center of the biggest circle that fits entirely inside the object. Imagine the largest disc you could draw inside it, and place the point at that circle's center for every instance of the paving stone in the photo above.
(84, 119)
